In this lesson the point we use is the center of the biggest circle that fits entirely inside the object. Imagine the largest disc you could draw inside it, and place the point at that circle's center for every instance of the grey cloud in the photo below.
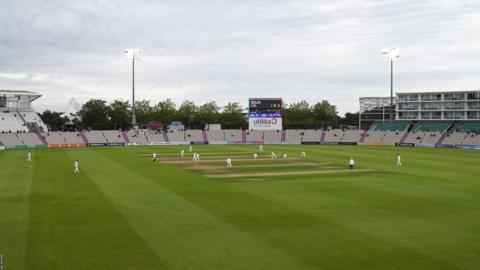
(224, 50)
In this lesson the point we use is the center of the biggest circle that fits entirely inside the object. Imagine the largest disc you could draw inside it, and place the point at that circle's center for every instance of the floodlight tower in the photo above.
(392, 53)
(134, 55)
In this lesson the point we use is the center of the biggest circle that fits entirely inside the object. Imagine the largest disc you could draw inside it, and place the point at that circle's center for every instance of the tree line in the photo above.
(98, 114)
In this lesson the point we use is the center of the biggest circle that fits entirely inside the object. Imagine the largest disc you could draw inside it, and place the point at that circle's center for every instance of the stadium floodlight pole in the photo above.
(392, 53)
(134, 55)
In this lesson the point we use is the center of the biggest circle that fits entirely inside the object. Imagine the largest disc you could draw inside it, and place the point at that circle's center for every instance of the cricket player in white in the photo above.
(29, 156)
(303, 155)
(154, 157)
(190, 148)
(229, 162)
(194, 157)
(255, 156)
(399, 160)
(351, 164)
(284, 156)
(198, 157)
(182, 154)
(75, 166)
(260, 148)
(273, 156)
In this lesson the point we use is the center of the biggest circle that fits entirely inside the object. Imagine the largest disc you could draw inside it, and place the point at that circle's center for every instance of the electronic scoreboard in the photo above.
(265, 113)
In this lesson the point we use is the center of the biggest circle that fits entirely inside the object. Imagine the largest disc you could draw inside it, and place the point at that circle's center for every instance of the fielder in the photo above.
(273, 156)
(29, 156)
(351, 164)
(284, 156)
(303, 155)
(75, 167)
(255, 156)
(182, 154)
(229, 162)
(154, 157)
(399, 160)
(190, 147)
(260, 148)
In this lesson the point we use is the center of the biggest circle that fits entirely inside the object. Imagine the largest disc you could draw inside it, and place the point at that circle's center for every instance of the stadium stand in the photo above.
(95, 136)
(153, 136)
(20, 139)
(177, 136)
(294, 136)
(11, 122)
(427, 133)
(216, 136)
(73, 137)
(312, 135)
(113, 136)
(254, 135)
(233, 135)
(34, 118)
(137, 137)
(341, 135)
(54, 137)
(194, 135)
(272, 136)
(390, 126)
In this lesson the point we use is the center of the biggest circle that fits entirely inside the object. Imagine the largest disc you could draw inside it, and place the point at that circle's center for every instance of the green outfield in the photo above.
(125, 212)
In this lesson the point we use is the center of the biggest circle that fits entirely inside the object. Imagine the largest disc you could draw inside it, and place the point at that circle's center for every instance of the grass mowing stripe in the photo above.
(73, 226)
(295, 232)
(185, 236)
(15, 181)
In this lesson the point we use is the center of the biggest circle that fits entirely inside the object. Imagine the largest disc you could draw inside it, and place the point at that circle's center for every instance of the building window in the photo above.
(473, 96)
(454, 106)
(474, 105)
(473, 115)
(453, 96)
(454, 115)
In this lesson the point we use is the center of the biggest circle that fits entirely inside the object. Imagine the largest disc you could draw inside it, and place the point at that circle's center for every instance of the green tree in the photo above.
(187, 113)
(119, 114)
(232, 116)
(298, 115)
(165, 111)
(53, 119)
(325, 113)
(143, 111)
(350, 119)
(208, 114)
(94, 114)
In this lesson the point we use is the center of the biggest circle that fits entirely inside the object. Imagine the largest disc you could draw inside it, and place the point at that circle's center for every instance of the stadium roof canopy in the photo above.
(32, 95)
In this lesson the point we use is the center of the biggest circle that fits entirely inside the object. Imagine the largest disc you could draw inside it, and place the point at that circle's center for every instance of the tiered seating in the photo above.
(29, 139)
(11, 122)
(352, 135)
(155, 136)
(272, 136)
(216, 135)
(137, 137)
(33, 117)
(72, 137)
(433, 126)
(469, 127)
(54, 137)
(312, 135)
(176, 136)
(427, 138)
(194, 135)
(113, 136)
(471, 139)
(294, 135)
(233, 135)
(10, 139)
(391, 126)
(95, 136)
(254, 135)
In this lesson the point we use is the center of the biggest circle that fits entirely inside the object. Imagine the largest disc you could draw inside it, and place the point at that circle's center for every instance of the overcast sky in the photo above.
(232, 50)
